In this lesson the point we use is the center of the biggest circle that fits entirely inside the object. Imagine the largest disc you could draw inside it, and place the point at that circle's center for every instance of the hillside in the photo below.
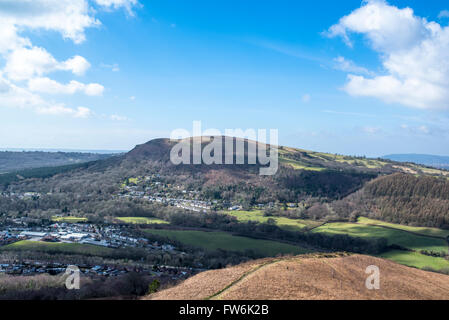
(305, 178)
(299, 159)
(407, 199)
(14, 161)
(310, 277)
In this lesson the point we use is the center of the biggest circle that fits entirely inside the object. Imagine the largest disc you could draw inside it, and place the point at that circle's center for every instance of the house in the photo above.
(74, 236)
(33, 234)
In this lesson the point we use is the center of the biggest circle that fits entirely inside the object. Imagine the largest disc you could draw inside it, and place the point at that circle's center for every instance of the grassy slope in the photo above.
(327, 158)
(434, 232)
(141, 220)
(415, 259)
(69, 219)
(394, 236)
(282, 222)
(226, 241)
(400, 235)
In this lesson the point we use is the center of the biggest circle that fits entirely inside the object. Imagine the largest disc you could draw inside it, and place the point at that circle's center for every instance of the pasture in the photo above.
(394, 236)
(281, 222)
(434, 232)
(415, 259)
(226, 241)
(68, 219)
(141, 220)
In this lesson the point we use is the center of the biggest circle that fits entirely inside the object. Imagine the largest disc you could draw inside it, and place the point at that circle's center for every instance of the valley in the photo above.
(140, 210)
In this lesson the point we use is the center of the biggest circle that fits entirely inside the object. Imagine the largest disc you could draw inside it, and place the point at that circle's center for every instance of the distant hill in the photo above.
(440, 162)
(310, 277)
(302, 173)
(15, 161)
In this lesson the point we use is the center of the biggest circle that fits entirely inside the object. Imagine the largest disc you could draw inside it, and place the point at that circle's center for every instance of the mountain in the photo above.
(158, 150)
(301, 174)
(320, 184)
(440, 162)
(310, 277)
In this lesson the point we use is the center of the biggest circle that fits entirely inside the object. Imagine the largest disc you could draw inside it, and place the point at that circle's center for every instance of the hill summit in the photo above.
(310, 277)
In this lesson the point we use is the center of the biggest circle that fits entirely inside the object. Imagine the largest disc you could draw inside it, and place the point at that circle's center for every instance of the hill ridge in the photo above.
(336, 276)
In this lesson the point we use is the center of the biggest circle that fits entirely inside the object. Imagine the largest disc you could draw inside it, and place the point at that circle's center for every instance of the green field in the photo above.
(69, 219)
(399, 235)
(418, 230)
(57, 247)
(141, 220)
(394, 236)
(297, 165)
(226, 241)
(281, 222)
(417, 260)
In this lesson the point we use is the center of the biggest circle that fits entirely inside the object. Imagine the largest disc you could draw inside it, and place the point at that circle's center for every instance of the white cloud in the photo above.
(127, 4)
(132, 98)
(78, 65)
(68, 17)
(443, 14)
(80, 112)
(12, 95)
(46, 85)
(23, 74)
(414, 53)
(25, 63)
(342, 64)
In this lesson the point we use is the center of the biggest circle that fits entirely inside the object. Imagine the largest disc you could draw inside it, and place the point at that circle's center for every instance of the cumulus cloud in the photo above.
(127, 4)
(47, 85)
(68, 17)
(23, 74)
(80, 112)
(25, 63)
(12, 95)
(414, 53)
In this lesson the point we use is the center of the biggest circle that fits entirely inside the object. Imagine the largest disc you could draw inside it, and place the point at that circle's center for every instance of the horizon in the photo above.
(105, 151)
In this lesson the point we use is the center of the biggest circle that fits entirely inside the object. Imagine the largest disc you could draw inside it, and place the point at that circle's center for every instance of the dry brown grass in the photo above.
(206, 284)
(311, 278)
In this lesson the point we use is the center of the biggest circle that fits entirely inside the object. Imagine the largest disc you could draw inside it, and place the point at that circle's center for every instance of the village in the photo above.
(151, 189)
(84, 233)
(35, 267)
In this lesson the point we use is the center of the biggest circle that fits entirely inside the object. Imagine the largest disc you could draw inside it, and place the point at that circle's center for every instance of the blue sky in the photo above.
(159, 65)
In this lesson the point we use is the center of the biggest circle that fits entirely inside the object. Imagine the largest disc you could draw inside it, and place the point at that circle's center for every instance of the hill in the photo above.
(310, 277)
(440, 162)
(14, 161)
(407, 199)
(305, 178)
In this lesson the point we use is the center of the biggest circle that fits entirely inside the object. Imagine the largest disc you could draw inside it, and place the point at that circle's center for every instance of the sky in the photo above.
(349, 77)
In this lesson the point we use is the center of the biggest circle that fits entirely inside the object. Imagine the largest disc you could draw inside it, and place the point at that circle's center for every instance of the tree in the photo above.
(153, 286)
